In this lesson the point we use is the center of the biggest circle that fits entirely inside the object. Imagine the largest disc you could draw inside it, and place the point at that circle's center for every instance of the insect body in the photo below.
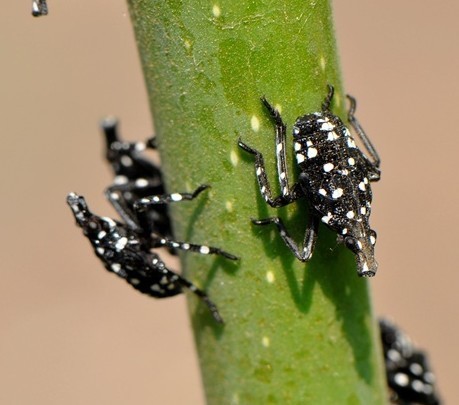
(409, 376)
(136, 177)
(124, 247)
(334, 176)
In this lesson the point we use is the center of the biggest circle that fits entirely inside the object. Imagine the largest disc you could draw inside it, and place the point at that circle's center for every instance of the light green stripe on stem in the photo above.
(295, 333)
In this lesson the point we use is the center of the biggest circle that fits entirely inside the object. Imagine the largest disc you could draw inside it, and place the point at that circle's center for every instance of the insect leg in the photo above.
(168, 198)
(328, 99)
(202, 249)
(310, 236)
(263, 182)
(363, 137)
(280, 147)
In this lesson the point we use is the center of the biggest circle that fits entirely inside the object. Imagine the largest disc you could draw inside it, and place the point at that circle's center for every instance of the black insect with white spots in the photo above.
(39, 8)
(125, 248)
(410, 378)
(334, 176)
(135, 177)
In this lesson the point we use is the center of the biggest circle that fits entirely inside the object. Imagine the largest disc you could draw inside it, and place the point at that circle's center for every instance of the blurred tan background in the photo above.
(72, 334)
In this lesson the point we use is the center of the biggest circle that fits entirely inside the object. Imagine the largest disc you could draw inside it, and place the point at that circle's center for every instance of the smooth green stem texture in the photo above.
(294, 333)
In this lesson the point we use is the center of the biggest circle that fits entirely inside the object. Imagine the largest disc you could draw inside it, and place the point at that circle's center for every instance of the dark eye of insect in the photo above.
(139, 197)
(334, 176)
(410, 378)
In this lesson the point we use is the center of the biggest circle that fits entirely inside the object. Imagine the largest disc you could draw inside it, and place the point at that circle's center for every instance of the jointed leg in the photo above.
(280, 148)
(310, 236)
(263, 182)
(328, 99)
(205, 250)
(361, 133)
(168, 198)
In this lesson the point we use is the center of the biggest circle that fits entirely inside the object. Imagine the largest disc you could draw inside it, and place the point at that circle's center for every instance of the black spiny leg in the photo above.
(375, 173)
(327, 102)
(168, 198)
(310, 236)
(191, 247)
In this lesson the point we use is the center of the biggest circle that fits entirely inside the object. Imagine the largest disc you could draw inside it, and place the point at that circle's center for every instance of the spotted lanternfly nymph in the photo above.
(136, 177)
(334, 176)
(39, 8)
(125, 247)
(410, 378)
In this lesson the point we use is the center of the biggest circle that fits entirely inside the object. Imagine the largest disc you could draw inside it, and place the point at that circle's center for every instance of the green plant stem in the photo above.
(294, 332)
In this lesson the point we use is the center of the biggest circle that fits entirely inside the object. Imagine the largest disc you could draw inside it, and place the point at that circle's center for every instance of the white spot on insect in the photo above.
(229, 206)
(100, 250)
(337, 193)
(359, 244)
(363, 210)
(263, 189)
(259, 170)
(365, 267)
(351, 143)
(328, 167)
(204, 250)
(372, 239)
(344, 172)
(312, 152)
(155, 287)
(176, 197)
(285, 191)
(216, 11)
(418, 385)
(351, 161)
(296, 130)
(111, 223)
(234, 158)
(350, 214)
(322, 62)
(322, 191)
(416, 369)
(154, 261)
(114, 196)
(362, 186)
(265, 341)
(327, 126)
(332, 136)
(428, 389)
(121, 243)
(175, 244)
(401, 379)
(255, 123)
(141, 182)
(185, 246)
(270, 277)
(120, 180)
(297, 146)
(365, 180)
(429, 377)
(299, 158)
(308, 143)
(279, 147)
(155, 199)
(282, 175)
(394, 355)
(140, 146)
(116, 267)
(326, 219)
(126, 161)
(101, 235)
(344, 231)
(346, 132)
(134, 281)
